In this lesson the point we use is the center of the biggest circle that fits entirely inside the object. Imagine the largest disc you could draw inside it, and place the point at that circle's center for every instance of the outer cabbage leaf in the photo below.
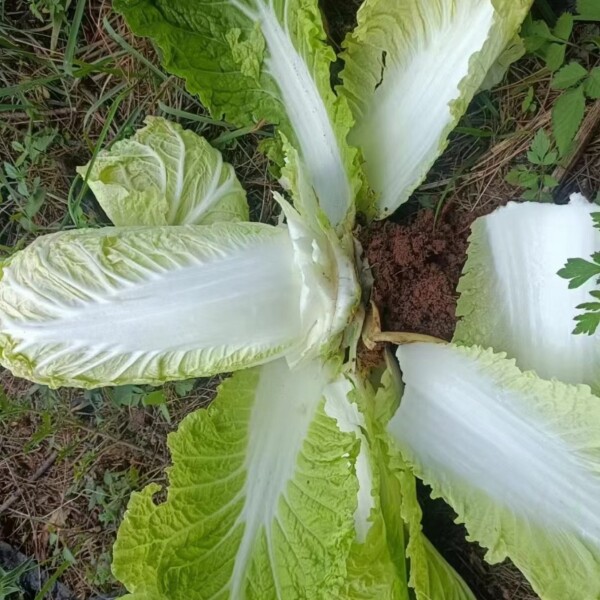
(122, 305)
(165, 175)
(430, 575)
(517, 457)
(376, 564)
(411, 69)
(261, 499)
(511, 298)
(253, 60)
(424, 569)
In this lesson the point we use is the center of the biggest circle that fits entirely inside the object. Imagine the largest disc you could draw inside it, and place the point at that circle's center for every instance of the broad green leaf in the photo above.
(411, 69)
(564, 26)
(146, 305)
(568, 76)
(567, 114)
(517, 457)
(592, 84)
(511, 298)
(256, 60)
(165, 175)
(589, 10)
(261, 500)
(555, 56)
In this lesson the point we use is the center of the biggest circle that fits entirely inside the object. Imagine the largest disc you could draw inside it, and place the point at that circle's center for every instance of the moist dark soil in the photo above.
(416, 265)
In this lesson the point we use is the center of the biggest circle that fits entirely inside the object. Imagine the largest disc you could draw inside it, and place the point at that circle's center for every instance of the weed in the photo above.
(9, 580)
(575, 81)
(535, 177)
(579, 271)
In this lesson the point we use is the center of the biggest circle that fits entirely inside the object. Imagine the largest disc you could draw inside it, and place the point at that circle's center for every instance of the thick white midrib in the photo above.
(340, 407)
(175, 204)
(400, 133)
(168, 306)
(462, 432)
(285, 405)
(308, 116)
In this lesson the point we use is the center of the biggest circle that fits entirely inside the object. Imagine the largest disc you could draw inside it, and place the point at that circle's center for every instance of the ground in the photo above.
(70, 459)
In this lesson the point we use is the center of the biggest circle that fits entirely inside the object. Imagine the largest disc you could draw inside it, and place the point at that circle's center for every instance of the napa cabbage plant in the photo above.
(298, 480)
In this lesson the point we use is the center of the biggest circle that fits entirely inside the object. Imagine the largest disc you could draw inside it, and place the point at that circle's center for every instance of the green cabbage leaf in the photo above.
(411, 69)
(516, 456)
(151, 304)
(165, 175)
(254, 61)
(511, 298)
(262, 500)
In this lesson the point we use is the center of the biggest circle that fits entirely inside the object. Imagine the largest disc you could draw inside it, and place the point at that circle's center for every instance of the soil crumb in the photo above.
(416, 266)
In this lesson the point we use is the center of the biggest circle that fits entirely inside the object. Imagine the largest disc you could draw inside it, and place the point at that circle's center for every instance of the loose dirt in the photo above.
(416, 265)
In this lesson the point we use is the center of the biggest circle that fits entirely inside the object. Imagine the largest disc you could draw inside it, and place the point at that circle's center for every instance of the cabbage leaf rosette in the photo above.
(299, 480)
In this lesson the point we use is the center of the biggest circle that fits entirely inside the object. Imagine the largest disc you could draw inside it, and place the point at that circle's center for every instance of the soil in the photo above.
(416, 266)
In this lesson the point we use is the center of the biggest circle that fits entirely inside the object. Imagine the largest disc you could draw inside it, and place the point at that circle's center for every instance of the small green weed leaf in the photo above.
(564, 26)
(579, 270)
(549, 181)
(593, 306)
(567, 114)
(568, 76)
(589, 10)
(536, 35)
(596, 215)
(34, 202)
(541, 143)
(522, 177)
(555, 56)
(155, 398)
(127, 395)
(43, 432)
(528, 104)
(587, 323)
(183, 388)
(531, 194)
(539, 152)
(11, 171)
(592, 84)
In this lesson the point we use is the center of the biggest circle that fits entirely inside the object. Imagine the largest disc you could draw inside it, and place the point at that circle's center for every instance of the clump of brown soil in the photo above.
(416, 266)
